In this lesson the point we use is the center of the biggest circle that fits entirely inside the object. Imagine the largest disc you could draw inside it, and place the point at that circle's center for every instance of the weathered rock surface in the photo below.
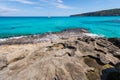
(115, 41)
(64, 56)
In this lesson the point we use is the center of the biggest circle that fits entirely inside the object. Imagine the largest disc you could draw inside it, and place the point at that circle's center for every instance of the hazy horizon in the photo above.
(43, 8)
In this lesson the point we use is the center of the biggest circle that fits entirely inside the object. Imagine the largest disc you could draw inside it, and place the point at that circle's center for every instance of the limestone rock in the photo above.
(3, 61)
(115, 41)
(71, 57)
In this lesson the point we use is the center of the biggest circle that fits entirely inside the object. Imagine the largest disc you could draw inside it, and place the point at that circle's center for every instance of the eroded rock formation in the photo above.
(65, 56)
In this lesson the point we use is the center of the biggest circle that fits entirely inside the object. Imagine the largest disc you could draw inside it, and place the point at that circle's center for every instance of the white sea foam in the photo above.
(5, 39)
(53, 37)
(93, 35)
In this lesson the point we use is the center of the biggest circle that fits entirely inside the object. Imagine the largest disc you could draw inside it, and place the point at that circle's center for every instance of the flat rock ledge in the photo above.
(69, 55)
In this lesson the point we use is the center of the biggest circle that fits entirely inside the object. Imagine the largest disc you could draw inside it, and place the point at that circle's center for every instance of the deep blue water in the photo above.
(17, 26)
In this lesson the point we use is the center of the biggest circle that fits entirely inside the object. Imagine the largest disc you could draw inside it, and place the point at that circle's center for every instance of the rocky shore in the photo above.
(69, 55)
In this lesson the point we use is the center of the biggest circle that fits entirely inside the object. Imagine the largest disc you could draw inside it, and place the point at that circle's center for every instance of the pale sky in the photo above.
(53, 7)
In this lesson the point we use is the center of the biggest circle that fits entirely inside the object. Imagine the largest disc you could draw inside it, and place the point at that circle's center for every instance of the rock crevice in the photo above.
(72, 58)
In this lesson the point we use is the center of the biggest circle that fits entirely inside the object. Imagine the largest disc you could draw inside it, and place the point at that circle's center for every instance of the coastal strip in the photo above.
(48, 37)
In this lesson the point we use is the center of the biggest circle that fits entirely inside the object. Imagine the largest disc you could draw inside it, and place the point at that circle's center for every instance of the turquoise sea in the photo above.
(18, 26)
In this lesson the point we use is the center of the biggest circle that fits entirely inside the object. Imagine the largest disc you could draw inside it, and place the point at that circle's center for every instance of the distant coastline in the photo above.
(109, 12)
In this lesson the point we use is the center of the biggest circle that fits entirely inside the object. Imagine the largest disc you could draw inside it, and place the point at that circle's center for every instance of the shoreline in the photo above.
(76, 53)
(40, 34)
(47, 37)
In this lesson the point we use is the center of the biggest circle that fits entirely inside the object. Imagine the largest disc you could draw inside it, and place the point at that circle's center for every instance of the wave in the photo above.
(54, 36)
(5, 39)
(93, 35)
(113, 21)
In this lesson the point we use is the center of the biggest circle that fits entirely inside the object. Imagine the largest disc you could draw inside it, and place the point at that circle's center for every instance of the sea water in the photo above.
(20, 26)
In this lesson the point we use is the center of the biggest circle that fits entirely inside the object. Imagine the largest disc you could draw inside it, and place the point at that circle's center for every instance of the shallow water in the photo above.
(17, 26)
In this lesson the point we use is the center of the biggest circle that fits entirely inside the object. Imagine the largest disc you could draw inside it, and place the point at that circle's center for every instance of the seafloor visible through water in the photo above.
(19, 26)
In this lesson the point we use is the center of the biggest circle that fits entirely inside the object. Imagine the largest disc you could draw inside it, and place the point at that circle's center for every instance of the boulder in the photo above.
(115, 41)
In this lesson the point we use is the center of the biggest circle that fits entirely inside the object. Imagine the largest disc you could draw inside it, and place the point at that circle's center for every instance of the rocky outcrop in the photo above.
(115, 41)
(67, 55)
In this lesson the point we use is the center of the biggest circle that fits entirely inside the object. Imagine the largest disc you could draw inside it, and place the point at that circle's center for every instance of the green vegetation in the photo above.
(110, 12)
